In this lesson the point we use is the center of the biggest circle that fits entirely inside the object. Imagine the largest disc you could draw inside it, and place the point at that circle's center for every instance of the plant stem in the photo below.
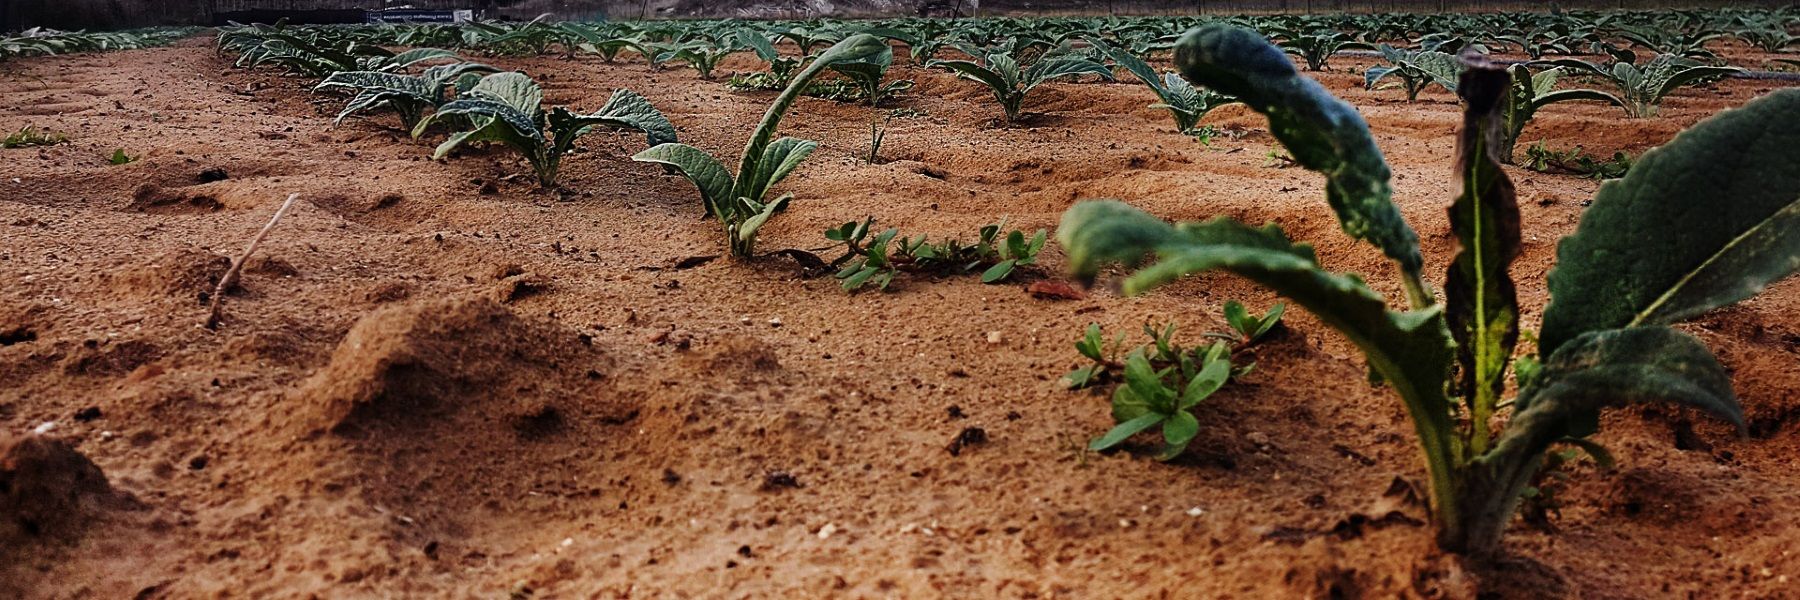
(237, 266)
(1418, 295)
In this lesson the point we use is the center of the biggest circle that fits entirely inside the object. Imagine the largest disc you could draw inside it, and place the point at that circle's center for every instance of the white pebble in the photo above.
(994, 337)
(1196, 511)
(827, 530)
(45, 427)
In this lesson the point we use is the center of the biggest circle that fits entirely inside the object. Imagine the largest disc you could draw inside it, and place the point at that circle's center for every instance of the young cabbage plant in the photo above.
(1642, 89)
(1530, 92)
(409, 96)
(506, 108)
(702, 54)
(1185, 103)
(1416, 70)
(1316, 47)
(739, 202)
(1010, 82)
(1251, 328)
(1641, 260)
(867, 73)
(781, 68)
(1149, 399)
(1769, 39)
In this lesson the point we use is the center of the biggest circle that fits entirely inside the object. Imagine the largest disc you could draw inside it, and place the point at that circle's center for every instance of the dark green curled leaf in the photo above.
(1323, 133)
(1709, 219)
(1482, 306)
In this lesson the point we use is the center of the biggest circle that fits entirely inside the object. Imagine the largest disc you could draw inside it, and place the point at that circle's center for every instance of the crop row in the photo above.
(49, 42)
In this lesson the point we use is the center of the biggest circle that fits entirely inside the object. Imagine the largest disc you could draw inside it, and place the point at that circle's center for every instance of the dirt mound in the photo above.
(48, 491)
(406, 363)
(186, 272)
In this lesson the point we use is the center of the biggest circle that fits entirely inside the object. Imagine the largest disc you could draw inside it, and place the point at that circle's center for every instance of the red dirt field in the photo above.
(437, 381)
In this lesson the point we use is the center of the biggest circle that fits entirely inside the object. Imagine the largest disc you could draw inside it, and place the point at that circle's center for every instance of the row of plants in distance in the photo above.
(39, 41)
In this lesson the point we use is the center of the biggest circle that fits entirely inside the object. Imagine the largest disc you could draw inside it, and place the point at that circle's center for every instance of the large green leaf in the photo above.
(778, 160)
(1709, 219)
(855, 47)
(626, 110)
(503, 124)
(1481, 305)
(1599, 369)
(976, 72)
(714, 181)
(1067, 66)
(1323, 133)
(1411, 350)
(408, 58)
(512, 89)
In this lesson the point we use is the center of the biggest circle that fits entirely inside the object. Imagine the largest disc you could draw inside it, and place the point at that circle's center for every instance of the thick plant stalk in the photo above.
(237, 265)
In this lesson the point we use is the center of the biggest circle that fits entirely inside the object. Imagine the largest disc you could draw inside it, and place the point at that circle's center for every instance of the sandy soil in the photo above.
(436, 381)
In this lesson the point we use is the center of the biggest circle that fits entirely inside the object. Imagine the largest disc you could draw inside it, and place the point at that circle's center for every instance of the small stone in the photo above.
(1257, 437)
(995, 337)
(827, 530)
(1196, 511)
(775, 322)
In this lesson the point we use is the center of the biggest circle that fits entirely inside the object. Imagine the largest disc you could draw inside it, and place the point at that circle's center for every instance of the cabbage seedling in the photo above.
(1416, 70)
(1530, 92)
(1149, 399)
(1316, 47)
(1251, 328)
(1642, 88)
(1010, 82)
(1185, 103)
(866, 75)
(505, 108)
(1643, 258)
(738, 202)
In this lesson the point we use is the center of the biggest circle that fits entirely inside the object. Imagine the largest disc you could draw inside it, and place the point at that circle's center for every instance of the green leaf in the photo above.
(1599, 369)
(1323, 133)
(1178, 430)
(999, 271)
(503, 123)
(1709, 219)
(1481, 304)
(1238, 317)
(747, 232)
(1124, 431)
(1212, 377)
(629, 110)
(779, 159)
(1144, 383)
(1575, 95)
(851, 48)
(512, 89)
(699, 167)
